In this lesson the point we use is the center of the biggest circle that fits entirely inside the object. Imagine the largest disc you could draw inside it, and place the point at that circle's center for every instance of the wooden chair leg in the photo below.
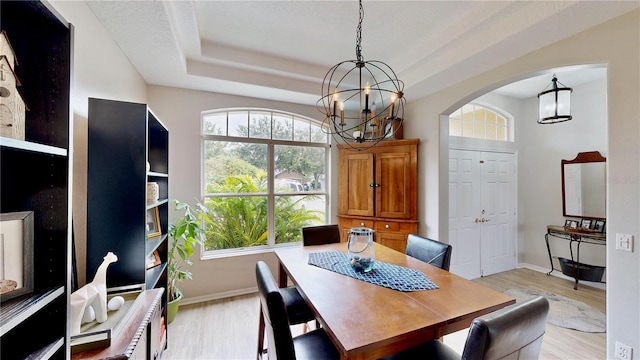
(261, 326)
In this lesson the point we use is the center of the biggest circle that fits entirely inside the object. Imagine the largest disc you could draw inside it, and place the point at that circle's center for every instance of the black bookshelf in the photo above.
(36, 177)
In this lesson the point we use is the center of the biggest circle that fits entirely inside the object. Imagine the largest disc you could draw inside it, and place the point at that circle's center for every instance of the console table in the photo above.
(573, 267)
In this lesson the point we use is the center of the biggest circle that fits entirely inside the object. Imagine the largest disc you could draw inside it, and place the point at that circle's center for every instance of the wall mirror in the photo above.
(584, 186)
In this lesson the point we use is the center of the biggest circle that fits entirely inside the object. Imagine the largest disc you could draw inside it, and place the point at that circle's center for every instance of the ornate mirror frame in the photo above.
(583, 158)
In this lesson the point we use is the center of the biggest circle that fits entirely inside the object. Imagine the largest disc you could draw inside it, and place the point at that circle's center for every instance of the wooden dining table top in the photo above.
(367, 321)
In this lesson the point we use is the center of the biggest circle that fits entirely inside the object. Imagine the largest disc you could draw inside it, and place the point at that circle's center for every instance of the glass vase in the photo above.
(361, 253)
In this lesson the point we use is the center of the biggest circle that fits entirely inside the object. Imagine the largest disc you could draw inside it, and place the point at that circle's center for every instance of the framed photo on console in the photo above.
(571, 224)
(599, 226)
(586, 224)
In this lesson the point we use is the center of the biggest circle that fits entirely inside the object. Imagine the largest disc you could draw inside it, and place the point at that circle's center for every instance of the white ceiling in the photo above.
(281, 50)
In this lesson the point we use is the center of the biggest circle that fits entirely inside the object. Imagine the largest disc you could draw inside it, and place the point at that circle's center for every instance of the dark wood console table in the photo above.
(573, 267)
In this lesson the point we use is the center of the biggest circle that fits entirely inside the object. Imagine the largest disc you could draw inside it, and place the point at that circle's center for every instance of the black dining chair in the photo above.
(430, 251)
(514, 332)
(320, 234)
(297, 309)
(314, 344)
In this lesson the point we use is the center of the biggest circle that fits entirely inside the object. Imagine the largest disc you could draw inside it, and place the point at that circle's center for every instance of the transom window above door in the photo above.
(481, 122)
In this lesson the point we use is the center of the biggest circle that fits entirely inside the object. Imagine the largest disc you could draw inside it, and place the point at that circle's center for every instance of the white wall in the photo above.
(615, 43)
(179, 110)
(542, 147)
(100, 70)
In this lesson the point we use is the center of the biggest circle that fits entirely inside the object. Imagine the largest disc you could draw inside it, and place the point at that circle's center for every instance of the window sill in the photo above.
(221, 254)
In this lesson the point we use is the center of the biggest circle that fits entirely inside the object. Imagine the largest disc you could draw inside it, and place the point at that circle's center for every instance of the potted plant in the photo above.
(184, 235)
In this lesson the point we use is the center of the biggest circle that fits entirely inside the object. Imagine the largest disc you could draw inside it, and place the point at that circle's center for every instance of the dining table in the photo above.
(367, 320)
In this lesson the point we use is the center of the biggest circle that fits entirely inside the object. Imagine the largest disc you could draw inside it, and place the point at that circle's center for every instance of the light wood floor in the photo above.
(227, 329)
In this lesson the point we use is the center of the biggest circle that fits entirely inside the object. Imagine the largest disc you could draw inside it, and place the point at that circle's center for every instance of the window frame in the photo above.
(271, 192)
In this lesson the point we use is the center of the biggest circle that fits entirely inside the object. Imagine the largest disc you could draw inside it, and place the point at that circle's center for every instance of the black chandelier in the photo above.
(554, 105)
(362, 101)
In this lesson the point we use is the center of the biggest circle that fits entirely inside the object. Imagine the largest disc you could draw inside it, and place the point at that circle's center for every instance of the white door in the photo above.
(481, 212)
(464, 204)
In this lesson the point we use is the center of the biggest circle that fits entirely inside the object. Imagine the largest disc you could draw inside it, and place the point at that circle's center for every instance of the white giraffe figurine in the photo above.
(92, 294)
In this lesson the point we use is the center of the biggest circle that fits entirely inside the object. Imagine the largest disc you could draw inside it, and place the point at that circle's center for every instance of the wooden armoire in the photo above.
(378, 190)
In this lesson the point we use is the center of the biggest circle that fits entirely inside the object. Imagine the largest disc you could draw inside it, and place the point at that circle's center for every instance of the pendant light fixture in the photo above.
(362, 101)
(554, 105)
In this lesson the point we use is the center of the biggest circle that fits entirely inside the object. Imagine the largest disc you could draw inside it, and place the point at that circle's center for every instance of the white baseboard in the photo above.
(558, 273)
(217, 296)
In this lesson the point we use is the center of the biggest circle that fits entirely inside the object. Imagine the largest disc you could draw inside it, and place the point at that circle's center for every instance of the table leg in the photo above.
(577, 273)
(282, 276)
(576, 267)
(546, 239)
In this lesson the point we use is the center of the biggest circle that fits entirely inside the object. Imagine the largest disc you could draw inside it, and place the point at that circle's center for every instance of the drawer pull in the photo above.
(387, 226)
(361, 224)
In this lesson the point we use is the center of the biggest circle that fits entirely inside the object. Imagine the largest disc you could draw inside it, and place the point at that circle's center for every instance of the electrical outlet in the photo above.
(623, 351)
(624, 242)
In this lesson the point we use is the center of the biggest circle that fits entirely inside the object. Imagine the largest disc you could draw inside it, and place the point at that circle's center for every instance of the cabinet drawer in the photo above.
(386, 226)
(356, 223)
(392, 226)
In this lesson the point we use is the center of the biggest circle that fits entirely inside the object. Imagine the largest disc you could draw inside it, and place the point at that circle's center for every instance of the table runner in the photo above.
(383, 274)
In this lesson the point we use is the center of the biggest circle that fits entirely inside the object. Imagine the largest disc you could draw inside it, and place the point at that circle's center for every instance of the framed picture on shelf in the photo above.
(153, 223)
(16, 254)
(393, 129)
(586, 224)
(599, 225)
(152, 260)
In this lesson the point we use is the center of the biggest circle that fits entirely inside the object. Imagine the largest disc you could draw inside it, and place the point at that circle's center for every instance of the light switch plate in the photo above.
(624, 242)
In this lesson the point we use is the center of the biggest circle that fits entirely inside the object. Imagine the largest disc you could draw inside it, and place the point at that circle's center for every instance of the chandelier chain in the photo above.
(359, 34)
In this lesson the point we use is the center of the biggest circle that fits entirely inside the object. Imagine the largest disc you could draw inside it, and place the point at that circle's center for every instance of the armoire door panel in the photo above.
(356, 180)
(392, 173)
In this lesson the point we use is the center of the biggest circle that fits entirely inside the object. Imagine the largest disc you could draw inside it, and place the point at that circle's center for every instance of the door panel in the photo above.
(481, 212)
(395, 241)
(358, 176)
(392, 172)
(498, 202)
(464, 200)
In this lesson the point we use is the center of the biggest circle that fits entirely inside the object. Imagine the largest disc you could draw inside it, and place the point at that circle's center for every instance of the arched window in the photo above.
(478, 121)
(264, 174)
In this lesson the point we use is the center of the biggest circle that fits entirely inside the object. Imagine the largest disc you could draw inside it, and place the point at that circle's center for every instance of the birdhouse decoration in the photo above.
(12, 106)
